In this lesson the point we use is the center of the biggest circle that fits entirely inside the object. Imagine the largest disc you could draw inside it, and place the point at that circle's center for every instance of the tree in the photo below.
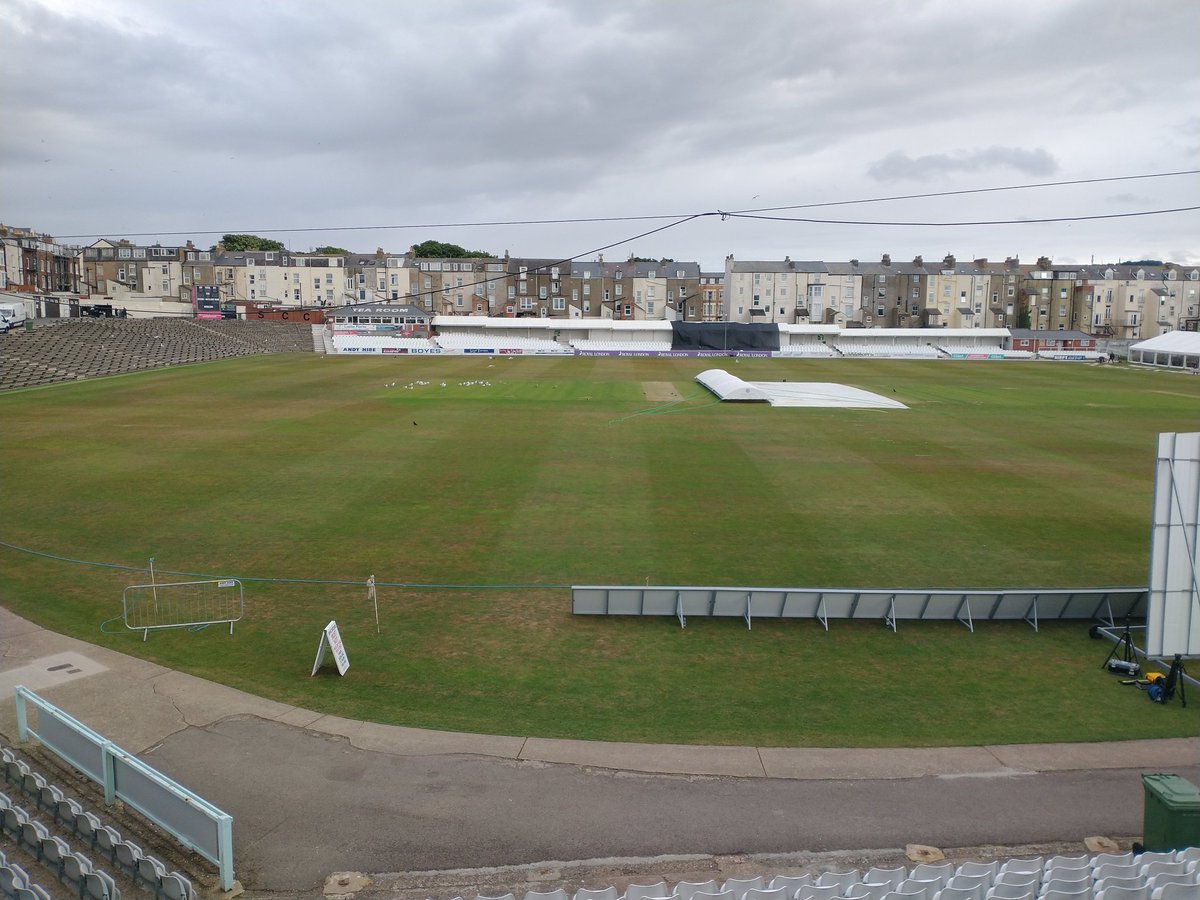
(242, 242)
(332, 251)
(440, 250)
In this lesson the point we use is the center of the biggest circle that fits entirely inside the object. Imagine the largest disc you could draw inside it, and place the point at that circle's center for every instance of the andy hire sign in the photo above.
(331, 638)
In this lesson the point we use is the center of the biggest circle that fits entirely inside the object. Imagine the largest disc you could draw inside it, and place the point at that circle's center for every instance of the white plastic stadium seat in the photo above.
(793, 883)
(1122, 881)
(1053, 894)
(1123, 893)
(1002, 891)
(1068, 862)
(866, 891)
(556, 894)
(1112, 859)
(990, 870)
(1176, 891)
(1114, 869)
(876, 875)
(607, 893)
(949, 892)
(642, 891)
(739, 886)
(1067, 885)
(1035, 865)
(819, 892)
(930, 872)
(842, 879)
(779, 893)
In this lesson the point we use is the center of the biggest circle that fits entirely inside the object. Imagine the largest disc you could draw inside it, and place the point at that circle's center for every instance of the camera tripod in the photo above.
(1124, 653)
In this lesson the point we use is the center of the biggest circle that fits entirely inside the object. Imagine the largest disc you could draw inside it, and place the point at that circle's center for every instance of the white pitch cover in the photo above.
(1173, 609)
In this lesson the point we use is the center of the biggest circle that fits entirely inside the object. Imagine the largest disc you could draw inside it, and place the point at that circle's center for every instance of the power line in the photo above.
(644, 218)
(1012, 187)
(1148, 212)
(544, 266)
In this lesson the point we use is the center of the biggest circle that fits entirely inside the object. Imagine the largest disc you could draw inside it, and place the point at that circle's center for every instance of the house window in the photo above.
(650, 308)
(560, 303)
(328, 278)
(526, 303)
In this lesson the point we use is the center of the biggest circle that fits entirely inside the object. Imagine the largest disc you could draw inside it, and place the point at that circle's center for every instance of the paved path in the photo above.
(312, 794)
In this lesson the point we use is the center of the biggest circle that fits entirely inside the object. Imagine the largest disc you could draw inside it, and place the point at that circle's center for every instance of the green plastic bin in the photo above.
(1171, 814)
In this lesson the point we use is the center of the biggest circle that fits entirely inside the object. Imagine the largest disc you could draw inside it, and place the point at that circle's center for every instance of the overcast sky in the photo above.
(126, 116)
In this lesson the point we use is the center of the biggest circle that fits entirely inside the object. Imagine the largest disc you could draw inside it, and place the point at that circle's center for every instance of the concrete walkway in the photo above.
(313, 794)
(138, 704)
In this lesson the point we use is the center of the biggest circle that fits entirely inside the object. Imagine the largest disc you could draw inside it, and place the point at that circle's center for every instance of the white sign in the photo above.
(331, 638)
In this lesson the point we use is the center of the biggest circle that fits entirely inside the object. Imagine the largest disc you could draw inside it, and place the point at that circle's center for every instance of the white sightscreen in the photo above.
(1173, 608)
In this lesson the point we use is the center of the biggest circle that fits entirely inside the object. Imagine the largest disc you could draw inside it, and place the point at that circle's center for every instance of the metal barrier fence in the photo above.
(182, 604)
(186, 816)
(967, 606)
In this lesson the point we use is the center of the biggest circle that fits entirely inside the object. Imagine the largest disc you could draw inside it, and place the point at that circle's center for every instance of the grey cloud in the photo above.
(899, 166)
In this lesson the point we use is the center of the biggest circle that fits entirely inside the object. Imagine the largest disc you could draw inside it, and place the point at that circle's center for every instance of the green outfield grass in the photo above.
(576, 471)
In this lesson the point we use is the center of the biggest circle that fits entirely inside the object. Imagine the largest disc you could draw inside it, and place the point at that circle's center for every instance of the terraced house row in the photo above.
(1128, 301)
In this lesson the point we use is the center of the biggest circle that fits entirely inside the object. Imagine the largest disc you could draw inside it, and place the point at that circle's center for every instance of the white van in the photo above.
(11, 315)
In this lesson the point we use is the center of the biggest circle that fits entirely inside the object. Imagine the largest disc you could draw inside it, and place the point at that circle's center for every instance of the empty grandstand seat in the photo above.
(643, 891)
(939, 872)
(1175, 890)
(1132, 881)
(12, 877)
(966, 892)
(877, 875)
(739, 886)
(174, 886)
(841, 879)
(1115, 869)
(1117, 892)
(99, 885)
(52, 851)
(990, 870)
(607, 893)
(686, 889)
(820, 892)
(1068, 862)
(779, 893)
(1055, 894)
(556, 894)
(1163, 867)
(1003, 891)
(1112, 859)
(1019, 878)
(867, 891)
(1063, 880)
(962, 879)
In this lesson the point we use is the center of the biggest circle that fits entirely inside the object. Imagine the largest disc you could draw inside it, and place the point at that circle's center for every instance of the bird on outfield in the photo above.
(414, 423)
